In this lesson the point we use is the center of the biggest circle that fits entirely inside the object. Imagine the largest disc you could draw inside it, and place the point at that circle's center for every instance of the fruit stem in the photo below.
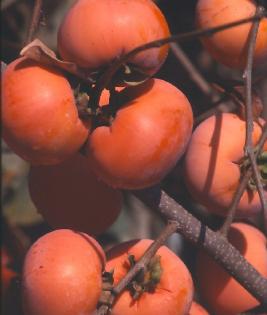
(140, 265)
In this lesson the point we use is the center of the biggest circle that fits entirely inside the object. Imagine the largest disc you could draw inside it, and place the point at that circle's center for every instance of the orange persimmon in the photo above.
(68, 195)
(171, 295)
(62, 274)
(223, 294)
(212, 170)
(40, 120)
(94, 33)
(147, 136)
(230, 46)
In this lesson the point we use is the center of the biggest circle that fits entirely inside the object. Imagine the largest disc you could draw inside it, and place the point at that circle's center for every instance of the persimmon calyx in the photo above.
(245, 163)
(262, 165)
(107, 286)
(147, 279)
(81, 103)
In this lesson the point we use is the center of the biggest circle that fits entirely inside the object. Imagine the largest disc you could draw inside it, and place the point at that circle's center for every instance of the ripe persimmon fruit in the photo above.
(229, 47)
(40, 120)
(224, 294)
(197, 309)
(62, 274)
(147, 136)
(94, 33)
(213, 164)
(172, 292)
(68, 195)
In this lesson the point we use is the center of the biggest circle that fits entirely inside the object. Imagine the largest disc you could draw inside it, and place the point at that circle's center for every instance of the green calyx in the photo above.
(262, 165)
(245, 163)
(147, 279)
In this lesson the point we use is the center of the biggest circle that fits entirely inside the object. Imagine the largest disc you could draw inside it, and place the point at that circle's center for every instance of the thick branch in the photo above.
(212, 242)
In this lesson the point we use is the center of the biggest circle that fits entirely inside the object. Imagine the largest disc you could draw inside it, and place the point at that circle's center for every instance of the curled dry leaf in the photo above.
(134, 76)
(39, 52)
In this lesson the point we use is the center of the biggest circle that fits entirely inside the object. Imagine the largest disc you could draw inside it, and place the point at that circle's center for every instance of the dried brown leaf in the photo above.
(39, 52)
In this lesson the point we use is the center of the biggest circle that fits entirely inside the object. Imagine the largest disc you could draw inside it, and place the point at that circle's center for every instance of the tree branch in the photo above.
(105, 79)
(35, 20)
(249, 114)
(247, 76)
(194, 74)
(212, 242)
(242, 186)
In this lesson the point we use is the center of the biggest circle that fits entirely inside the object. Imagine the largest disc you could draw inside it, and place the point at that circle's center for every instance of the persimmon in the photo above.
(68, 195)
(39, 117)
(213, 164)
(225, 295)
(230, 46)
(62, 274)
(197, 309)
(94, 33)
(171, 294)
(146, 137)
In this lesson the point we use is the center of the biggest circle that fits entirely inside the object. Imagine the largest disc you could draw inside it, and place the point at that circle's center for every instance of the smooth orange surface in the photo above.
(197, 309)
(230, 46)
(62, 274)
(173, 294)
(39, 117)
(68, 195)
(225, 295)
(145, 140)
(211, 170)
(94, 33)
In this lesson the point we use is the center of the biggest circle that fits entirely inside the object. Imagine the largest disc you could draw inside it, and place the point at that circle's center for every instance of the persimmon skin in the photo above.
(68, 195)
(62, 274)
(39, 117)
(229, 47)
(197, 309)
(225, 295)
(95, 33)
(172, 295)
(146, 138)
(211, 171)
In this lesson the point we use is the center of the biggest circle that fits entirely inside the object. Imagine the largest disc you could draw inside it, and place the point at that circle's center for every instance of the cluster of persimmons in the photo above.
(131, 141)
